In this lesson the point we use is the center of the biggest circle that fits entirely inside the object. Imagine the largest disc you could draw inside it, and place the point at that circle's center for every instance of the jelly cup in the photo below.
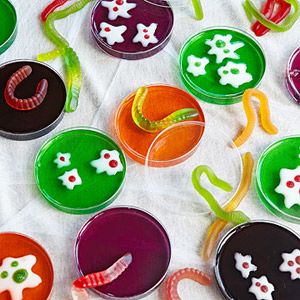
(17, 245)
(146, 12)
(31, 124)
(281, 155)
(264, 242)
(112, 233)
(207, 87)
(8, 25)
(162, 100)
(174, 183)
(293, 76)
(88, 189)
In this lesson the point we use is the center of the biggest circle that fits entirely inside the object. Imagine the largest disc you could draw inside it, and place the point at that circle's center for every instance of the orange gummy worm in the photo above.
(266, 122)
(217, 226)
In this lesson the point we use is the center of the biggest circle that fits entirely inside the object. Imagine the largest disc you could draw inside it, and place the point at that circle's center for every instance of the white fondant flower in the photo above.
(289, 186)
(62, 159)
(291, 263)
(108, 162)
(112, 34)
(16, 275)
(118, 8)
(244, 264)
(234, 74)
(222, 47)
(197, 65)
(70, 179)
(145, 35)
(262, 288)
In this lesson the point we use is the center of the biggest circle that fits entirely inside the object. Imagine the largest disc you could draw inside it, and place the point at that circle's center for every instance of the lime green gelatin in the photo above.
(281, 154)
(8, 25)
(207, 87)
(97, 190)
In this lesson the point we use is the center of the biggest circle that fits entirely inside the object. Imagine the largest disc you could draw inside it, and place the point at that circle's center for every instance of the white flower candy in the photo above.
(118, 8)
(262, 288)
(234, 74)
(291, 263)
(244, 264)
(70, 179)
(289, 186)
(62, 159)
(197, 65)
(145, 35)
(108, 162)
(16, 275)
(222, 47)
(112, 34)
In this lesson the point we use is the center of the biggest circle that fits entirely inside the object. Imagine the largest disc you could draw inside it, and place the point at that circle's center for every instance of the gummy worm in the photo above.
(154, 126)
(198, 9)
(251, 10)
(281, 13)
(187, 273)
(235, 217)
(51, 8)
(29, 103)
(216, 227)
(104, 277)
(266, 123)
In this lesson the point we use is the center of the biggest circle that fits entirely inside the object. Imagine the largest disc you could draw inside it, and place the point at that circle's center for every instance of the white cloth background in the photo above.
(107, 81)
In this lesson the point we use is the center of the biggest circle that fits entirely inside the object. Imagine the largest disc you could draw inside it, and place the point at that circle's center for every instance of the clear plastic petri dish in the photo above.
(278, 178)
(119, 230)
(219, 63)
(80, 170)
(25, 268)
(132, 29)
(174, 183)
(293, 76)
(259, 259)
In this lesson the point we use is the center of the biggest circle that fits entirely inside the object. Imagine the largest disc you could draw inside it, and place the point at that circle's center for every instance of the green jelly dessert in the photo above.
(278, 178)
(8, 25)
(80, 170)
(218, 64)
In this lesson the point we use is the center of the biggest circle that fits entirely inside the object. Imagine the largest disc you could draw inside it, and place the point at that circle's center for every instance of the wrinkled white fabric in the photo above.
(107, 81)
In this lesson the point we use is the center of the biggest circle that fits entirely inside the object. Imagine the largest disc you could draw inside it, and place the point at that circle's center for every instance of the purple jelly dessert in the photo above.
(132, 29)
(293, 76)
(116, 231)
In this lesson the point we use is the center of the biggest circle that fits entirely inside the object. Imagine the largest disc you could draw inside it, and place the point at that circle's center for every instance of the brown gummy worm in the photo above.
(28, 103)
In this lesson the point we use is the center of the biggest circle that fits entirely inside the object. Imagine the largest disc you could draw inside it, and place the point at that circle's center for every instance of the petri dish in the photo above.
(8, 25)
(268, 246)
(221, 78)
(31, 124)
(19, 252)
(293, 76)
(80, 170)
(112, 233)
(174, 183)
(162, 100)
(135, 33)
(277, 184)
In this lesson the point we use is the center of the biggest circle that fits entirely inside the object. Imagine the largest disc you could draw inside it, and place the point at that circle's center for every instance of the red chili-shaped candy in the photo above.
(29, 103)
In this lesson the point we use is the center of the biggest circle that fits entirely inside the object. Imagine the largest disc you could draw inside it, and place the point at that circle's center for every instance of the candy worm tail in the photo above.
(251, 10)
(51, 54)
(235, 217)
(155, 126)
(198, 9)
(266, 122)
(74, 79)
(187, 273)
(51, 8)
(216, 227)
(106, 276)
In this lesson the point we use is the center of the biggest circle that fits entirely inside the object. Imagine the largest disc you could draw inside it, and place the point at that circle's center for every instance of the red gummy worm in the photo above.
(29, 103)
(267, 10)
(51, 8)
(187, 273)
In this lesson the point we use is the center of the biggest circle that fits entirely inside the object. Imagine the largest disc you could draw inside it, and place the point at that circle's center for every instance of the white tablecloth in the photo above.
(107, 81)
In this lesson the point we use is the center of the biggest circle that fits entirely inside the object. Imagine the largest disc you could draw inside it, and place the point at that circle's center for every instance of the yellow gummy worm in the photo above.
(216, 227)
(266, 122)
